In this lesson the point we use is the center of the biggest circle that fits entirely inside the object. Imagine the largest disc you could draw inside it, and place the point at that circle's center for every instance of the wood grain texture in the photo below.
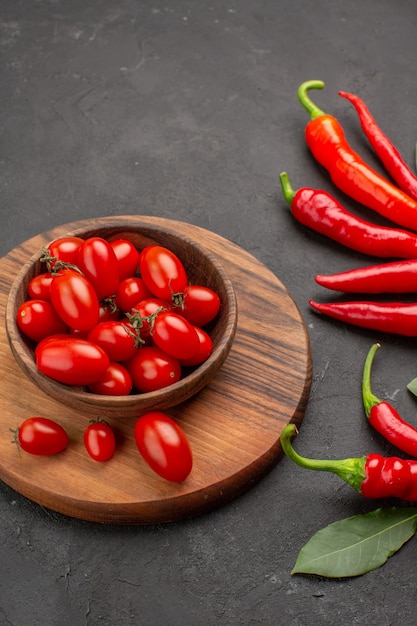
(233, 424)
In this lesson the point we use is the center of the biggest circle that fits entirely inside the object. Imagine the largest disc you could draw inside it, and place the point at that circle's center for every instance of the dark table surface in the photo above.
(189, 111)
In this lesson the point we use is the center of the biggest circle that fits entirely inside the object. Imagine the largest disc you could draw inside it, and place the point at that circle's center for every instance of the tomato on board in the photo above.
(127, 257)
(71, 361)
(163, 272)
(201, 305)
(99, 440)
(38, 287)
(152, 369)
(65, 249)
(130, 291)
(37, 319)
(164, 446)
(75, 300)
(116, 381)
(173, 334)
(116, 338)
(41, 436)
(204, 351)
(97, 261)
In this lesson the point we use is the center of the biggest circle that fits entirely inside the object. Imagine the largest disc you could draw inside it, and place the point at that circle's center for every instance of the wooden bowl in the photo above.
(202, 268)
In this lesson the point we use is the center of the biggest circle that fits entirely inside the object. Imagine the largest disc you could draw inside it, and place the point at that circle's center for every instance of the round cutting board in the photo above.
(233, 424)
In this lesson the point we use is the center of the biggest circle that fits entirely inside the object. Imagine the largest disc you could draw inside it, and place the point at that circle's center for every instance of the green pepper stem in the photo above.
(369, 399)
(352, 471)
(287, 191)
(304, 99)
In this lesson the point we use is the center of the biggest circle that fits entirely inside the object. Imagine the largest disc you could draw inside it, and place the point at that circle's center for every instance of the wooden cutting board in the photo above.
(233, 424)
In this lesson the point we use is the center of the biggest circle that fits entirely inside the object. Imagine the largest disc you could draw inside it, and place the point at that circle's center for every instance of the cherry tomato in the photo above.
(116, 381)
(205, 349)
(163, 272)
(108, 311)
(65, 249)
(38, 287)
(41, 436)
(72, 361)
(152, 369)
(37, 319)
(116, 338)
(173, 334)
(99, 440)
(201, 305)
(127, 257)
(98, 262)
(75, 300)
(144, 309)
(130, 291)
(164, 446)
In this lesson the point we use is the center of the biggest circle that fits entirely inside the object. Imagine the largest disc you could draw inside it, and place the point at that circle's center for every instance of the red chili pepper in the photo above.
(389, 317)
(382, 415)
(326, 139)
(322, 213)
(384, 149)
(394, 277)
(373, 475)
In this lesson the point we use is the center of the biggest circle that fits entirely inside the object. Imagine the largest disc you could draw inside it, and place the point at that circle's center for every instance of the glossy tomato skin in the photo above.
(201, 305)
(116, 381)
(97, 261)
(37, 319)
(116, 338)
(42, 436)
(75, 300)
(99, 441)
(163, 272)
(65, 249)
(130, 291)
(146, 309)
(152, 369)
(71, 361)
(164, 446)
(38, 287)
(175, 335)
(204, 351)
(127, 257)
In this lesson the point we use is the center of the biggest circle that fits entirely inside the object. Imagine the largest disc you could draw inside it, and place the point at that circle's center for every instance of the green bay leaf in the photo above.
(412, 386)
(357, 544)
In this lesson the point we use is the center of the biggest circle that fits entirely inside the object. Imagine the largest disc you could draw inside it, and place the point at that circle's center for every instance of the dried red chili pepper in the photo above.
(383, 416)
(372, 475)
(394, 277)
(326, 139)
(398, 318)
(322, 213)
(384, 149)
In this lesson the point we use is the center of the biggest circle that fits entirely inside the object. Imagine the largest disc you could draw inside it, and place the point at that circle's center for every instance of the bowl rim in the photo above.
(23, 352)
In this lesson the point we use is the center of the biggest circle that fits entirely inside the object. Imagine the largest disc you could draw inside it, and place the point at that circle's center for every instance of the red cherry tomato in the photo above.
(152, 369)
(72, 361)
(37, 319)
(116, 381)
(65, 249)
(41, 436)
(163, 272)
(164, 446)
(75, 300)
(205, 349)
(108, 311)
(116, 338)
(145, 309)
(38, 287)
(201, 305)
(130, 291)
(99, 441)
(127, 257)
(173, 334)
(98, 262)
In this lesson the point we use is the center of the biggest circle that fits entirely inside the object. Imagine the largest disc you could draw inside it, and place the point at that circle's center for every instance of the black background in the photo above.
(189, 111)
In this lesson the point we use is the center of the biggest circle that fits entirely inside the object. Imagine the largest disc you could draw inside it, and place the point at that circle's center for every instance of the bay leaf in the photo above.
(358, 544)
(412, 386)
